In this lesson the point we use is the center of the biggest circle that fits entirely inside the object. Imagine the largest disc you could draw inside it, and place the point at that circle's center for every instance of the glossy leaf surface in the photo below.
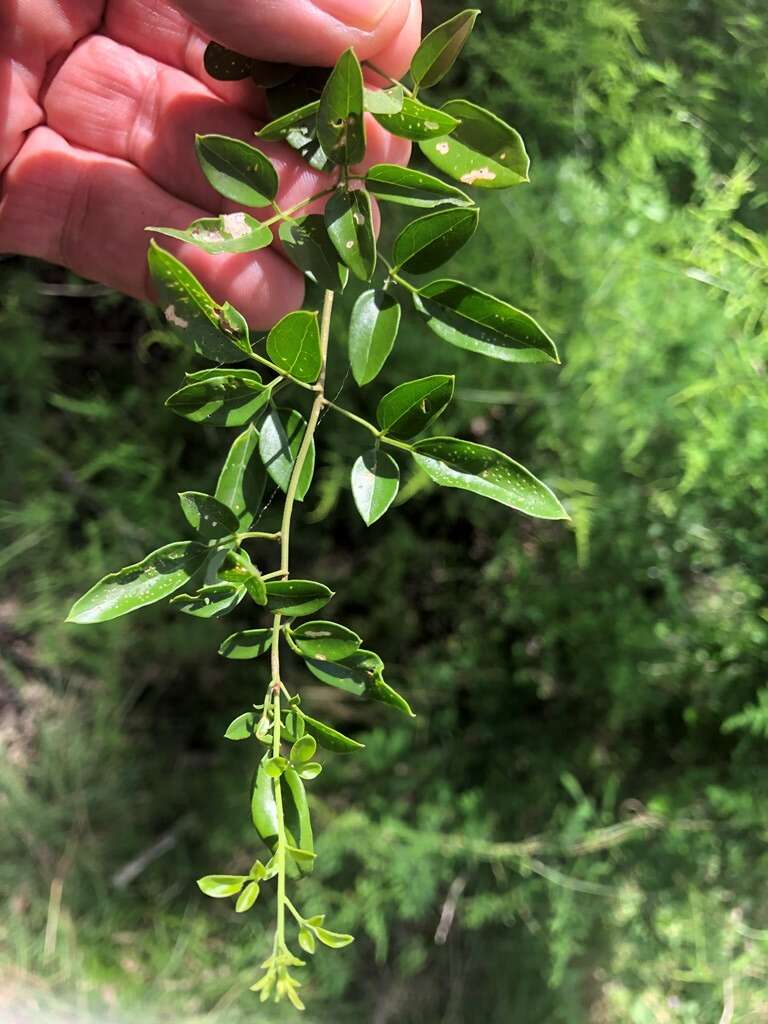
(279, 442)
(249, 643)
(236, 170)
(373, 329)
(408, 187)
(430, 241)
(243, 727)
(327, 640)
(479, 322)
(230, 232)
(330, 738)
(243, 478)
(263, 806)
(439, 49)
(361, 674)
(451, 462)
(157, 576)
(412, 406)
(483, 150)
(210, 602)
(298, 821)
(349, 221)
(289, 122)
(375, 482)
(220, 886)
(191, 311)
(247, 897)
(417, 121)
(384, 101)
(340, 124)
(227, 398)
(306, 244)
(293, 344)
(296, 597)
(207, 516)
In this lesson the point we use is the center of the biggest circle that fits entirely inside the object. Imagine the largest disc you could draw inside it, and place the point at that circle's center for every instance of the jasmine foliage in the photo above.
(324, 120)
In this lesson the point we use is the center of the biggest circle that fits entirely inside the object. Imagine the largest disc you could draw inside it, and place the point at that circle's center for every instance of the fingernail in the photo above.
(365, 14)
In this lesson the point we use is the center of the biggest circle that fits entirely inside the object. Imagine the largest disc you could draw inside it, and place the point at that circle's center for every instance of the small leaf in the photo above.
(298, 821)
(230, 232)
(336, 940)
(372, 331)
(304, 857)
(226, 65)
(242, 728)
(329, 738)
(249, 643)
(220, 886)
(227, 398)
(375, 483)
(293, 344)
(328, 640)
(207, 516)
(418, 122)
(296, 597)
(395, 184)
(361, 674)
(307, 245)
(307, 940)
(411, 407)
(159, 575)
(258, 872)
(191, 311)
(310, 771)
(303, 750)
(340, 123)
(236, 170)
(349, 221)
(282, 432)
(384, 101)
(247, 897)
(238, 568)
(210, 602)
(485, 471)
(439, 49)
(430, 241)
(471, 319)
(243, 478)
(483, 150)
(264, 807)
(275, 766)
(282, 126)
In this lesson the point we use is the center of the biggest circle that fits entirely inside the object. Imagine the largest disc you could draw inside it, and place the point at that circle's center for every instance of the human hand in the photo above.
(99, 106)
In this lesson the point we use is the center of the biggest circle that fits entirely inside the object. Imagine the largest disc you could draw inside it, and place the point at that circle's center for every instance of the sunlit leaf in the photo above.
(298, 821)
(220, 886)
(306, 244)
(293, 344)
(247, 897)
(249, 643)
(439, 49)
(210, 602)
(243, 478)
(417, 121)
(408, 187)
(230, 232)
(360, 673)
(236, 170)
(327, 640)
(207, 516)
(282, 126)
(296, 597)
(281, 435)
(303, 750)
(384, 101)
(330, 738)
(340, 123)
(412, 406)
(349, 221)
(375, 483)
(430, 241)
(243, 727)
(227, 398)
(373, 329)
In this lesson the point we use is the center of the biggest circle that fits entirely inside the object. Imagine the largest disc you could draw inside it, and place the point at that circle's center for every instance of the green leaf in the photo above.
(282, 126)
(340, 123)
(220, 886)
(281, 435)
(439, 49)
(159, 575)
(310, 771)
(247, 897)
(226, 65)
(384, 101)
(275, 766)
(349, 222)
(330, 738)
(375, 483)
(243, 727)
(327, 640)
(210, 602)
(361, 674)
(191, 311)
(303, 750)
(411, 407)
(243, 478)
(307, 245)
(230, 232)
(228, 398)
(471, 319)
(268, 74)
(296, 597)
(373, 328)
(485, 471)
(298, 821)
(336, 940)
(395, 184)
(263, 806)
(483, 150)
(236, 170)
(207, 516)
(430, 241)
(247, 644)
(293, 344)
(418, 122)
(238, 568)
(306, 940)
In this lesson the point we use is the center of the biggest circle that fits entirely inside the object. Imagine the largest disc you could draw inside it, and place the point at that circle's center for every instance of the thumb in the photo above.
(313, 32)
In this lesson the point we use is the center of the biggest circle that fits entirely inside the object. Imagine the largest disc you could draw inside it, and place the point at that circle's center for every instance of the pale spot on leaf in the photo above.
(235, 225)
(442, 147)
(172, 318)
(480, 174)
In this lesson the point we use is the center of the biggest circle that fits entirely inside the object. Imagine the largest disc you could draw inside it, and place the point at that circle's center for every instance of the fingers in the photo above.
(87, 212)
(314, 32)
(109, 98)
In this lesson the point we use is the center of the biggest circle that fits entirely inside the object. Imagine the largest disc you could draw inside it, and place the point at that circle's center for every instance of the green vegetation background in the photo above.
(574, 829)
